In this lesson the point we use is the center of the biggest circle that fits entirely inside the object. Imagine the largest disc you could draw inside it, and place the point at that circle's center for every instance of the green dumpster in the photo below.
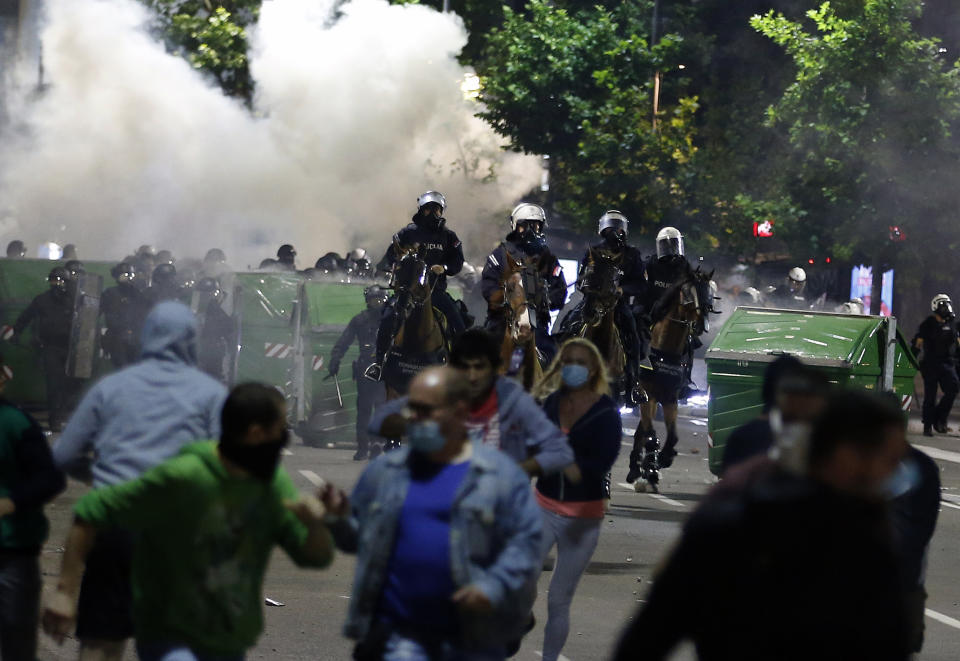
(853, 351)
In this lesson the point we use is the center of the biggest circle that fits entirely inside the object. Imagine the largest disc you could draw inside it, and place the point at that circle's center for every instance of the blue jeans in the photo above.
(401, 648)
(176, 652)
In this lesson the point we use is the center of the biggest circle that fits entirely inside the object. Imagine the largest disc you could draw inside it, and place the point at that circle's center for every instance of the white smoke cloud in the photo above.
(352, 120)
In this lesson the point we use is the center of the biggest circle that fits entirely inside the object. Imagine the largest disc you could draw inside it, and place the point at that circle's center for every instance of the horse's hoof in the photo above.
(654, 487)
(639, 486)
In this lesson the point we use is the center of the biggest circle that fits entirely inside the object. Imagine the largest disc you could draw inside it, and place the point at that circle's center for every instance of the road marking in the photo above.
(559, 658)
(950, 497)
(314, 479)
(287, 453)
(625, 485)
(937, 453)
(956, 507)
(664, 499)
(940, 617)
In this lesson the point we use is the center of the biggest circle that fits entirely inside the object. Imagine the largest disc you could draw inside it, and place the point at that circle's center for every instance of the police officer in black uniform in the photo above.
(51, 316)
(936, 341)
(363, 329)
(526, 243)
(443, 254)
(613, 228)
(124, 308)
(163, 285)
(217, 333)
(286, 258)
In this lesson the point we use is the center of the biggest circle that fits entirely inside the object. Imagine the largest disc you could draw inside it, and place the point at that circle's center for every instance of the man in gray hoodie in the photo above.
(127, 423)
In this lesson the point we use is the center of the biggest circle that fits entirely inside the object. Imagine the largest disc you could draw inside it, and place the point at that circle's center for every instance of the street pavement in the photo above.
(639, 530)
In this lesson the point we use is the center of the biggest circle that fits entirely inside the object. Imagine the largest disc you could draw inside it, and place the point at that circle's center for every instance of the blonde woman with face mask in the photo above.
(577, 399)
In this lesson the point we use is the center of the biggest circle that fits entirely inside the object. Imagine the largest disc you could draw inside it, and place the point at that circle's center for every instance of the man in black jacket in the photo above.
(124, 307)
(937, 341)
(362, 329)
(443, 253)
(791, 566)
(51, 316)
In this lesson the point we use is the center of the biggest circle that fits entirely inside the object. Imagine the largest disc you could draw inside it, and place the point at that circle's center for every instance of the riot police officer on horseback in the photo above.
(443, 254)
(544, 284)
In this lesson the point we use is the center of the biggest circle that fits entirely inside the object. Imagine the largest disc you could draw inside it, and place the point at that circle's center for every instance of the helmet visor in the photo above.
(670, 246)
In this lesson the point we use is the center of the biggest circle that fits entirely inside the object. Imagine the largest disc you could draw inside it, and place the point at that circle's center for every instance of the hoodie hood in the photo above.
(170, 333)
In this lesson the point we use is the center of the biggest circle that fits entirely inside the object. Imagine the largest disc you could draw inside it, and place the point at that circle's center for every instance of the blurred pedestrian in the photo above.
(447, 536)
(362, 329)
(501, 413)
(28, 480)
(793, 396)
(207, 522)
(127, 423)
(50, 315)
(936, 341)
(577, 400)
(791, 566)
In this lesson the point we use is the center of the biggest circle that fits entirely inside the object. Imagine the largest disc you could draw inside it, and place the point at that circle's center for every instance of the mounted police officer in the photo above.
(51, 315)
(936, 341)
(661, 273)
(443, 254)
(613, 228)
(124, 308)
(546, 287)
(363, 329)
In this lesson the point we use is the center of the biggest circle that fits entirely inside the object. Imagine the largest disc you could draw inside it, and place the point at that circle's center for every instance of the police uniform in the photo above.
(363, 329)
(51, 315)
(216, 337)
(124, 308)
(938, 366)
(551, 293)
(441, 247)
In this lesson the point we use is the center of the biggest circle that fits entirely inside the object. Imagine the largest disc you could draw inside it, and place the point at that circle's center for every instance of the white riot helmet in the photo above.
(527, 212)
(669, 242)
(615, 219)
(942, 305)
(357, 254)
(797, 274)
(434, 197)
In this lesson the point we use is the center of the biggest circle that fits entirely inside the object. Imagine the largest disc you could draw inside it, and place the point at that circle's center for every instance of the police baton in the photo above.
(336, 382)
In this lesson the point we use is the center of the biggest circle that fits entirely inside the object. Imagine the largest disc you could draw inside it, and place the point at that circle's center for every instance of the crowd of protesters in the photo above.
(821, 521)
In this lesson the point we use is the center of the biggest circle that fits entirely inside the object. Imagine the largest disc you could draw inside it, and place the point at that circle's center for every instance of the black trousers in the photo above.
(370, 394)
(944, 376)
(62, 391)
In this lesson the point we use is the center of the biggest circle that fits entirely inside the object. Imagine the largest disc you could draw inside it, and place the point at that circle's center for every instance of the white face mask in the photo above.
(791, 447)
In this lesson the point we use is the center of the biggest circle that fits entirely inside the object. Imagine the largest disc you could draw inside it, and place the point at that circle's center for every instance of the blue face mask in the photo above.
(575, 376)
(424, 436)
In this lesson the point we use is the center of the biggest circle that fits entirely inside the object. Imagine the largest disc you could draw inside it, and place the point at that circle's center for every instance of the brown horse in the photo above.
(511, 304)
(685, 307)
(418, 338)
(600, 286)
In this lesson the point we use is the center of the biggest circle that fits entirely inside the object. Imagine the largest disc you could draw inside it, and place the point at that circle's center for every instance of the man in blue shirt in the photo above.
(446, 533)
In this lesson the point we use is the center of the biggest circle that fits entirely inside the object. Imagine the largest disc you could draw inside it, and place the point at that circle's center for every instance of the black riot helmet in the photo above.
(16, 249)
(124, 273)
(69, 252)
(215, 256)
(74, 269)
(329, 263)
(164, 274)
(287, 254)
(375, 296)
(164, 257)
(58, 279)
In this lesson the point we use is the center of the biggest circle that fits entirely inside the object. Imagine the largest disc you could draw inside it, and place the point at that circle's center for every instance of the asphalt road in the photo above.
(638, 531)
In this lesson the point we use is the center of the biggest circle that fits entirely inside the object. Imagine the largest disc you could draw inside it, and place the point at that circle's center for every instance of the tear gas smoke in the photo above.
(352, 119)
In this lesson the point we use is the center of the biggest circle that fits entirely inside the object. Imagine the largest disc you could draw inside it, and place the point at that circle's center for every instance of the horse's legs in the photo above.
(669, 447)
(645, 443)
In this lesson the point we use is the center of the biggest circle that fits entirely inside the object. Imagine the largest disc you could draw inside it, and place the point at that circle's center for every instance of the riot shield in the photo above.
(83, 333)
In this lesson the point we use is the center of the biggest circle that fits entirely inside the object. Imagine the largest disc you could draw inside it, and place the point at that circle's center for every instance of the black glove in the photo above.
(333, 370)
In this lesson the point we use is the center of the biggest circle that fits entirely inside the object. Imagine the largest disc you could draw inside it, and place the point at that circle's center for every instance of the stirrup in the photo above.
(374, 372)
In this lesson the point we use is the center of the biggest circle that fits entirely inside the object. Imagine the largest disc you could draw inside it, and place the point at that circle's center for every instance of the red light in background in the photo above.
(810, 261)
(828, 260)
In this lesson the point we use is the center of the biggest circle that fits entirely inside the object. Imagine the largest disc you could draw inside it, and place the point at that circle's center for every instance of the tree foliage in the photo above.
(212, 36)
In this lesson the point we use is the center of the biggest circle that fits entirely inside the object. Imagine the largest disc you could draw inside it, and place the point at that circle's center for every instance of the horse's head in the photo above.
(514, 294)
(686, 306)
(410, 277)
(600, 284)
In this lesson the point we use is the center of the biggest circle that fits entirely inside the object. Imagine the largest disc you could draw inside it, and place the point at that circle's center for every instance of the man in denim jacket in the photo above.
(500, 412)
(447, 535)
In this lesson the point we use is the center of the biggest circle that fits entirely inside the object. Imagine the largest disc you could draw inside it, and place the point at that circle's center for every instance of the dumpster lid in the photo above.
(818, 338)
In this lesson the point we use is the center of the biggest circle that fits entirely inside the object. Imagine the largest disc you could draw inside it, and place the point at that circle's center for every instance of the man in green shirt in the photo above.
(206, 522)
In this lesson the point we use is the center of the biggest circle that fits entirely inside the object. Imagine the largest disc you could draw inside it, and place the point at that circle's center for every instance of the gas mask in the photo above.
(945, 310)
(615, 239)
(58, 285)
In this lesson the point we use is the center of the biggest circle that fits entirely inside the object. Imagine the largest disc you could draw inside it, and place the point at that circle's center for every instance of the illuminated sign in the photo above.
(763, 229)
